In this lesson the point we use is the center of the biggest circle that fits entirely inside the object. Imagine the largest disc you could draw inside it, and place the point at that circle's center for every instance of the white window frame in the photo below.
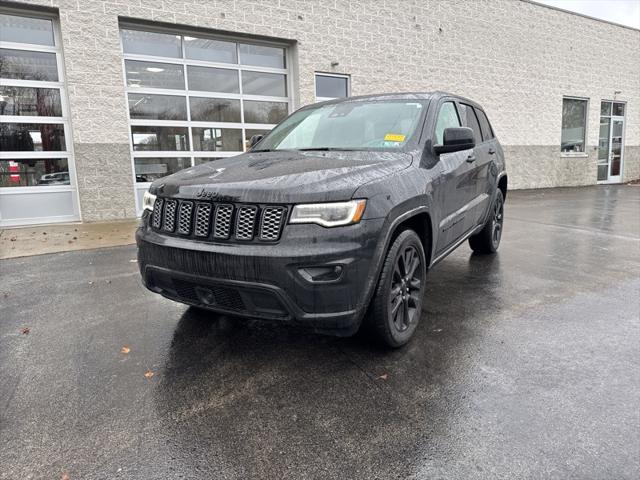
(337, 75)
(64, 120)
(586, 128)
(189, 124)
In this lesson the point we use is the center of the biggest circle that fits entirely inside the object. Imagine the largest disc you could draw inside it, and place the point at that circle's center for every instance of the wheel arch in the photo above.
(420, 223)
(502, 185)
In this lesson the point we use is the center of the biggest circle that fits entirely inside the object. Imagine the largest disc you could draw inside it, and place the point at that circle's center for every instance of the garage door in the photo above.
(37, 177)
(196, 98)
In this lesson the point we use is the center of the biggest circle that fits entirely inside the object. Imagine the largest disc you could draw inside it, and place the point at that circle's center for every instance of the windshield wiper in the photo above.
(326, 149)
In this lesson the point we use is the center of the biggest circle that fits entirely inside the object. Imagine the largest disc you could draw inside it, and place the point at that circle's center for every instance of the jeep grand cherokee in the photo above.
(333, 218)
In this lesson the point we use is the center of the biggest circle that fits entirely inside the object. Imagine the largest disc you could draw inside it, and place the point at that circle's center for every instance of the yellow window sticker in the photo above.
(394, 137)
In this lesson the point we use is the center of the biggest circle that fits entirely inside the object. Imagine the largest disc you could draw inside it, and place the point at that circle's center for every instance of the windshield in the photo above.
(347, 126)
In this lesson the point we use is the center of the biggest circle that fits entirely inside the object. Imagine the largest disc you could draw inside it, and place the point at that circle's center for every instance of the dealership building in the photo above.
(99, 98)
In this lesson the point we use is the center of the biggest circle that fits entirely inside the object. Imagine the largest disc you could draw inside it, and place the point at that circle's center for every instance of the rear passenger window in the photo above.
(487, 133)
(470, 120)
(447, 117)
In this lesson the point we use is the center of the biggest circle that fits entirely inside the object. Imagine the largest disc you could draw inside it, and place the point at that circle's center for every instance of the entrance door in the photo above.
(611, 142)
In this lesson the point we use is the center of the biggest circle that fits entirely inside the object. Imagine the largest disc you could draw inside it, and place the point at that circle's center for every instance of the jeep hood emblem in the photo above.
(202, 193)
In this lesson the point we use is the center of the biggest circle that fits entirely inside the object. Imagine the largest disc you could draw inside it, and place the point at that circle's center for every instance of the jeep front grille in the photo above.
(222, 224)
(169, 219)
(184, 218)
(219, 221)
(271, 223)
(245, 223)
(156, 219)
(203, 219)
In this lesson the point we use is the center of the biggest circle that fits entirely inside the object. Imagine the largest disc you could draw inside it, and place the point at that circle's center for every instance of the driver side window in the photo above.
(447, 117)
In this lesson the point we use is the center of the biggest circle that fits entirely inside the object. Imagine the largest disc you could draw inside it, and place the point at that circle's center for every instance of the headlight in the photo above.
(148, 200)
(332, 214)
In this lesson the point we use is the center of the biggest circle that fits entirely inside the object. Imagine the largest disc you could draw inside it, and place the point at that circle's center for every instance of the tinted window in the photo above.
(150, 169)
(157, 107)
(262, 56)
(214, 109)
(213, 79)
(156, 75)
(28, 172)
(26, 30)
(264, 112)
(470, 120)
(258, 83)
(42, 102)
(210, 50)
(447, 117)
(487, 132)
(331, 87)
(31, 137)
(24, 65)
(159, 138)
(217, 139)
(250, 132)
(618, 109)
(151, 43)
(574, 125)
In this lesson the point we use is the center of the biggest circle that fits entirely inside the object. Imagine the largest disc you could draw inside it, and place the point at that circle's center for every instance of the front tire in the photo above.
(488, 239)
(397, 305)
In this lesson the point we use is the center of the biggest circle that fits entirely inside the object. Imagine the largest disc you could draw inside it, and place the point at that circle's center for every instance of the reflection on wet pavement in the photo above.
(525, 365)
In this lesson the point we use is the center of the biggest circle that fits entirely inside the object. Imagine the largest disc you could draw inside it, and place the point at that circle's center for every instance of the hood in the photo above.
(282, 176)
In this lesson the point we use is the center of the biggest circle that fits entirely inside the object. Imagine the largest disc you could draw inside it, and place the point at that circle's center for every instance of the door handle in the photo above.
(471, 158)
(492, 151)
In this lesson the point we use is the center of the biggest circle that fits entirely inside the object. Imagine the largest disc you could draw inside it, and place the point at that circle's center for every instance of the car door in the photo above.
(480, 164)
(487, 164)
(453, 188)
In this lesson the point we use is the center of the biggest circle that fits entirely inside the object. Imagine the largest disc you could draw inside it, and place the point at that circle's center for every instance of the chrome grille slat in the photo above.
(245, 222)
(271, 223)
(169, 222)
(222, 221)
(184, 217)
(203, 219)
(212, 221)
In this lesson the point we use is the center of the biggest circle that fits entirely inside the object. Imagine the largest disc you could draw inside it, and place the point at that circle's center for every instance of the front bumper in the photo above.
(269, 281)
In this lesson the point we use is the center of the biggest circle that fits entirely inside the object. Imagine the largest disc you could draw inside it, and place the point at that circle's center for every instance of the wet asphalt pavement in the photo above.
(525, 365)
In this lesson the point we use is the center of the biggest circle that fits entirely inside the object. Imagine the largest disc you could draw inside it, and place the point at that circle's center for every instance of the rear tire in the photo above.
(397, 305)
(488, 239)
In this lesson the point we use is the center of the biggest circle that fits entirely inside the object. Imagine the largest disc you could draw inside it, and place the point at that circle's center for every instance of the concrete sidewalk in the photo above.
(25, 241)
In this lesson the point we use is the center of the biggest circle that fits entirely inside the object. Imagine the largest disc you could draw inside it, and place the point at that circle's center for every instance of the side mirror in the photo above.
(255, 139)
(456, 139)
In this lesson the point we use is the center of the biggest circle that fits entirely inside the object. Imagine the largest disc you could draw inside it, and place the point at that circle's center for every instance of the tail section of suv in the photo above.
(333, 218)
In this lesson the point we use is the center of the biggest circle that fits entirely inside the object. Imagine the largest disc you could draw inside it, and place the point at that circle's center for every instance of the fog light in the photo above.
(205, 295)
(327, 273)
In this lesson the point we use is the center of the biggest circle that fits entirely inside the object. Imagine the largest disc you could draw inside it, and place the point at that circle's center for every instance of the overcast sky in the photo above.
(626, 12)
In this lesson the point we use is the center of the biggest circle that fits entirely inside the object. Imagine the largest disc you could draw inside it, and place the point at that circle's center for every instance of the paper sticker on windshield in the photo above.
(394, 137)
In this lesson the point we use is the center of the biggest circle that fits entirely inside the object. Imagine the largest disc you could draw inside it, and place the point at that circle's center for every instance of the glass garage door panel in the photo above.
(37, 207)
(37, 183)
(195, 99)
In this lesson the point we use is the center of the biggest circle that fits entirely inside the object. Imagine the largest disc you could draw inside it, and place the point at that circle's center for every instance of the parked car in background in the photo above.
(58, 178)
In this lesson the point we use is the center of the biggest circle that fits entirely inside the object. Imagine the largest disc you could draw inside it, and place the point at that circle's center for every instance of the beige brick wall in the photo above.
(516, 58)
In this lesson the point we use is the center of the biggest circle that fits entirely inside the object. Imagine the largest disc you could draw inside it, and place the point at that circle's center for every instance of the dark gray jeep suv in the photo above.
(333, 218)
